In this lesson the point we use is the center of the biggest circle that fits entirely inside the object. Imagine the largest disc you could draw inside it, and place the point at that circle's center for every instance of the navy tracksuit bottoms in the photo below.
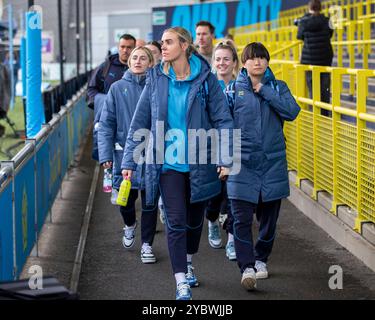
(267, 214)
(183, 219)
(148, 217)
(220, 204)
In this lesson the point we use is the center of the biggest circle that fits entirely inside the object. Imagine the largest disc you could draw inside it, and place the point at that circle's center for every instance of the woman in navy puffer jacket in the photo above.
(261, 104)
(181, 95)
(114, 123)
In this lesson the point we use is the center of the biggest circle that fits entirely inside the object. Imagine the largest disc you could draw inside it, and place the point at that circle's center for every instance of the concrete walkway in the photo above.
(60, 234)
(299, 265)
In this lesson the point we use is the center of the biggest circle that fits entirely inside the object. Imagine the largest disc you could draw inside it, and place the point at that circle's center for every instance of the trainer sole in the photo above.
(249, 283)
(261, 275)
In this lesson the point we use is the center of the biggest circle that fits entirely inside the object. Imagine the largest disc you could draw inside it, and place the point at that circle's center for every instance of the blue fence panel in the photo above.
(25, 212)
(82, 111)
(64, 143)
(77, 126)
(6, 234)
(55, 178)
(43, 182)
(52, 161)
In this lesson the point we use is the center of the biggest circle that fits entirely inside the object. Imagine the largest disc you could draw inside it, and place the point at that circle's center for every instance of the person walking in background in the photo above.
(225, 65)
(205, 34)
(175, 95)
(115, 120)
(111, 70)
(261, 105)
(101, 80)
(314, 30)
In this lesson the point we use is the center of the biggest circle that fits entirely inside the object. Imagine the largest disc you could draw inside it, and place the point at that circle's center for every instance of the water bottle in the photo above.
(107, 180)
(123, 194)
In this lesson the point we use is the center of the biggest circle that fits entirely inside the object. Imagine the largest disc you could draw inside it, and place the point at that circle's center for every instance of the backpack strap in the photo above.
(230, 92)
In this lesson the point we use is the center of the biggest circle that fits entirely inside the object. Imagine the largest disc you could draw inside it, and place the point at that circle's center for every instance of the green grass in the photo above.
(8, 139)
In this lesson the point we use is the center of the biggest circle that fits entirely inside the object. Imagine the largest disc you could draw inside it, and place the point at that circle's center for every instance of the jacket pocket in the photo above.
(275, 155)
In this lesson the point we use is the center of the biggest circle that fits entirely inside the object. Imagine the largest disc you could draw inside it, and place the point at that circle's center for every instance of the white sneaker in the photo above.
(261, 270)
(147, 256)
(129, 236)
(249, 281)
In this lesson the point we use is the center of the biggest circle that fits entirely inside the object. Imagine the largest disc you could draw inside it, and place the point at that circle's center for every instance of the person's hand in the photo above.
(257, 87)
(223, 173)
(107, 165)
(126, 174)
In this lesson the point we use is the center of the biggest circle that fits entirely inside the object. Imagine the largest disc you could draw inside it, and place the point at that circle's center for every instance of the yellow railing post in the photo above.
(316, 97)
(340, 51)
(362, 92)
(300, 92)
(366, 47)
(351, 57)
(336, 93)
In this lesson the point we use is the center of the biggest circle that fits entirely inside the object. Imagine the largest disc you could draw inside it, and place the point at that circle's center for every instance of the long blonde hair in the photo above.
(184, 36)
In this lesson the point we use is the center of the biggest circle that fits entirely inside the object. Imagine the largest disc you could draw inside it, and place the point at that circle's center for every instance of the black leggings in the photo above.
(148, 218)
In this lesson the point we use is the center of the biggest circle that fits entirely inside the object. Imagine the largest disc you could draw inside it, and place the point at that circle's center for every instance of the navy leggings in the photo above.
(148, 218)
(184, 220)
(267, 214)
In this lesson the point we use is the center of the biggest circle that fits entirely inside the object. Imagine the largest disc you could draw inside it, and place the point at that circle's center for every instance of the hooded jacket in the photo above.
(114, 124)
(200, 114)
(260, 117)
(316, 34)
(102, 78)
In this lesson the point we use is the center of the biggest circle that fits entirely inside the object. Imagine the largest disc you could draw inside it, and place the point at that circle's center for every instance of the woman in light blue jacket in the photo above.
(260, 106)
(114, 123)
(181, 95)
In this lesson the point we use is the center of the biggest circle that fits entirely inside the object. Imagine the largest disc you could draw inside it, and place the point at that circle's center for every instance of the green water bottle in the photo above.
(123, 194)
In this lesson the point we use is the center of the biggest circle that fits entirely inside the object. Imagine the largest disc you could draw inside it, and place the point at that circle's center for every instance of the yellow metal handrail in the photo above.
(336, 152)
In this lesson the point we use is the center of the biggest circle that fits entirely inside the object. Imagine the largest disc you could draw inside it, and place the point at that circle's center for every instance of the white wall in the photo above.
(100, 41)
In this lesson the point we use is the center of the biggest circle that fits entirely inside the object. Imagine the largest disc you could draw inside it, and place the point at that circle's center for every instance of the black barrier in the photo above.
(58, 95)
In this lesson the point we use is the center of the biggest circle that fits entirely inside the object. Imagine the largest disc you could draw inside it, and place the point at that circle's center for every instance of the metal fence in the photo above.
(337, 151)
(30, 181)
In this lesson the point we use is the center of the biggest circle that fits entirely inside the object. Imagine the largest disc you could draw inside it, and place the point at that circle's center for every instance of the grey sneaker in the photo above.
(129, 236)
(230, 251)
(214, 236)
(249, 281)
(261, 270)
